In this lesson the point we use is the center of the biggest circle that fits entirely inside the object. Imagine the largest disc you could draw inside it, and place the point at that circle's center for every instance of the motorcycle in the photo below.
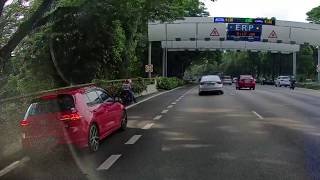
(292, 85)
(125, 97)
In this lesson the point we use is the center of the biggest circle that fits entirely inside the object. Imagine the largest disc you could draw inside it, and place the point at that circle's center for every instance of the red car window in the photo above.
(61, 103)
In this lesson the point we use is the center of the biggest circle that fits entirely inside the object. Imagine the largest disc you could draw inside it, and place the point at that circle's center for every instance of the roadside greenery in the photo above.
(53, 43)
(115, 87)
(169, 83)
(315, 86)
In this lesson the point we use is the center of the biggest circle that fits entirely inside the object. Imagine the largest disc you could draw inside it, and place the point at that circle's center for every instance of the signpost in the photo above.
(149, 68)
(244, 32)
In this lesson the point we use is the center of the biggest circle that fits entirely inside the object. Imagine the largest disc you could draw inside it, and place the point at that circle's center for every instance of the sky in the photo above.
(290, 10)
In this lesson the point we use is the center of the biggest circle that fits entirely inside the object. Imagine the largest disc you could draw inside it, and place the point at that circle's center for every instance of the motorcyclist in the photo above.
(292, 83)
(127, 86)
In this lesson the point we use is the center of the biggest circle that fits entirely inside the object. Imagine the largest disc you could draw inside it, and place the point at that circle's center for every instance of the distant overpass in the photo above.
(210, 34)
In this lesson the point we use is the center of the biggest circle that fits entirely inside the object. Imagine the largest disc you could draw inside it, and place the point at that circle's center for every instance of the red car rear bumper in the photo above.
(71, 136)
(246, 85)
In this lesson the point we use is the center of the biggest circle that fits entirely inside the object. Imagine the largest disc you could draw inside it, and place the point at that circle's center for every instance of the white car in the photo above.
(282, 81)
(227, 80)
(210, 83)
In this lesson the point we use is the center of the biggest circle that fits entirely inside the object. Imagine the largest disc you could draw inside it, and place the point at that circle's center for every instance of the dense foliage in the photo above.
(57, 43)
(115, 87)
(166, 83)
(314, 15)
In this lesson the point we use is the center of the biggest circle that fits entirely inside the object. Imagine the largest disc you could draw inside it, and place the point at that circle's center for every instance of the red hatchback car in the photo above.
(78, 116)
(246, 81)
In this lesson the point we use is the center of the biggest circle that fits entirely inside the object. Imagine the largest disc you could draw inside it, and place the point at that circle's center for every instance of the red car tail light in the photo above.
(70, 117)
(24, 123)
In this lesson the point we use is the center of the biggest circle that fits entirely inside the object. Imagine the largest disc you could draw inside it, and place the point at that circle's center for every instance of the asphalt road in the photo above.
(270, 133)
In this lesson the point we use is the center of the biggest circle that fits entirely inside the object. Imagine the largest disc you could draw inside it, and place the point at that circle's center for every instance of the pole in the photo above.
(149, 58)
(294, 64)
(166, 64)
(319, 63)
(163, 62)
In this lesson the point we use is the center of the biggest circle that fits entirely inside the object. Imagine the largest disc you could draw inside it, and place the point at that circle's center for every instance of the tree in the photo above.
(24, 28)
(314, 15)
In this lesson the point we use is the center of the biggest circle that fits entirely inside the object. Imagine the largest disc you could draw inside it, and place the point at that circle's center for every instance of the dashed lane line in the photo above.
(164, 111)
(258, 115)
(109, 162)
(148, 126)
(133, 139)
(169, 107)
(13, 165)
(157, 117)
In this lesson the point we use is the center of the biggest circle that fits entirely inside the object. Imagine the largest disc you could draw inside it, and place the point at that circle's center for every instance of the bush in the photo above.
(115, 87)
(315, 86)
(169, 83)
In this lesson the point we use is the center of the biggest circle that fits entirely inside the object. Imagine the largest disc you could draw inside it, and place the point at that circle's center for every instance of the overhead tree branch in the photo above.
(2, 3)
(24, 29)
(55, 63)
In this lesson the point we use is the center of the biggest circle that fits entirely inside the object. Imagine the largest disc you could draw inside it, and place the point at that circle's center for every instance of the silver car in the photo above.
(282, 81)
(210, 83)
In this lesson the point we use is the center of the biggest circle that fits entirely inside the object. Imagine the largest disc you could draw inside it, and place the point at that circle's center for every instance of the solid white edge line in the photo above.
(148, 126)
(144, 100)
(258, 115)
(13, 165)
(164, 111)
(109, 162)
(133, 139)
(157, 117)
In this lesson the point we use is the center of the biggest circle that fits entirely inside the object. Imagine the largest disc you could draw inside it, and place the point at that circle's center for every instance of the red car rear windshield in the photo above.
(246, 77)
(60, 103)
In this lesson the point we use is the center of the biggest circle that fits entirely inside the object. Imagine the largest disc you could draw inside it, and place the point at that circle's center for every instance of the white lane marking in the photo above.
(13, 165)
(164, 111)
(258, 115)
(169, 107)
(133, 139)
(157, 117)
(148, 126)
(109, 162)
(144, 100)
(174, 103)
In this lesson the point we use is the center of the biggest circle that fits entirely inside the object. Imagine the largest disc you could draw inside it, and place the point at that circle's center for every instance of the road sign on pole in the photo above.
(149, 68)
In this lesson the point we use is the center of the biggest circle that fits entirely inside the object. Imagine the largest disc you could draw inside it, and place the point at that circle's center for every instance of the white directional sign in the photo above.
(275, 33)
(211, 31)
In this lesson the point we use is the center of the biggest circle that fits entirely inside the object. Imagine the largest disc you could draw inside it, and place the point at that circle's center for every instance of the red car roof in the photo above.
(66, 90)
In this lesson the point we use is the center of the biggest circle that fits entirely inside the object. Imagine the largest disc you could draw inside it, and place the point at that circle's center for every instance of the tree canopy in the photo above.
(62, 42)
(314, 15)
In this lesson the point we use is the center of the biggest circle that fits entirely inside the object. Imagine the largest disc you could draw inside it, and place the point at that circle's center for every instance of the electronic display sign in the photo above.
(261, 21)
(244, 32)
